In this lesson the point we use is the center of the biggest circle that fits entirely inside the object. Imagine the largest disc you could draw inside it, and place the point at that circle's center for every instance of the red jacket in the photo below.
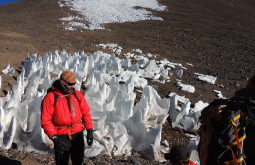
(189, 162)
(62, 119)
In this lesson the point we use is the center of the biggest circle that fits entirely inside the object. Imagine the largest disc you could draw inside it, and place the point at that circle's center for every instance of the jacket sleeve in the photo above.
(191, 163)
(85, 110)
(47, 109)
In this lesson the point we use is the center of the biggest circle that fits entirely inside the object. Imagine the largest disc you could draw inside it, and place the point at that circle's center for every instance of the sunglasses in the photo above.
(71, 84)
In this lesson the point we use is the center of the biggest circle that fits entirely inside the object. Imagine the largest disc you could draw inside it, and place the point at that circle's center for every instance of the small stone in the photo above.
(237, 85)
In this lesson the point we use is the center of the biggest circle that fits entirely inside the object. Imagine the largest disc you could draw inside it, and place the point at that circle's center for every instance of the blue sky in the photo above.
(3, 2)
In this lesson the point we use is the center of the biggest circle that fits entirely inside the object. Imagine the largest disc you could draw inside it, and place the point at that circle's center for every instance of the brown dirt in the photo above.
(216, 36)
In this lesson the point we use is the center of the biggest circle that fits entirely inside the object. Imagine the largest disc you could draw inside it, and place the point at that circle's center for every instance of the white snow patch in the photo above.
(95, 13)
(206, 78)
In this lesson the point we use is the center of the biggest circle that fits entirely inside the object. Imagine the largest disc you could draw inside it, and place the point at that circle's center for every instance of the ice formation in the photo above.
(122, 123)
(185, 87)
(219, 94)
(8, 70)
(206, 78)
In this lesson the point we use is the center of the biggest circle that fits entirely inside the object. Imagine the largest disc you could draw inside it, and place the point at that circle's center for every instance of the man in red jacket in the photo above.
(65, 114)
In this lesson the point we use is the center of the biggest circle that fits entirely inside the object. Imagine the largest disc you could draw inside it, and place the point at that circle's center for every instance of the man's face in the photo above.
(69, 86)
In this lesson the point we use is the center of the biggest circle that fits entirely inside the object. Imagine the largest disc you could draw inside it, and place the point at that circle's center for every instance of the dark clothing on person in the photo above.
(248, 93)
(74, 148)
(245, 92)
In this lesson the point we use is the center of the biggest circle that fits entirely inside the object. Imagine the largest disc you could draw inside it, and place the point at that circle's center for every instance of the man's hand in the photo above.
(90, 136)
(60, 143)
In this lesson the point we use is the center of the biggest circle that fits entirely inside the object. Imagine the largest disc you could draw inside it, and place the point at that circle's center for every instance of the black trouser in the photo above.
(74, 147)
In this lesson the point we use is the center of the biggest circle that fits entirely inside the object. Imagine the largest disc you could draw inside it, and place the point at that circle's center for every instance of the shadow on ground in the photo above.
(4, 160)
